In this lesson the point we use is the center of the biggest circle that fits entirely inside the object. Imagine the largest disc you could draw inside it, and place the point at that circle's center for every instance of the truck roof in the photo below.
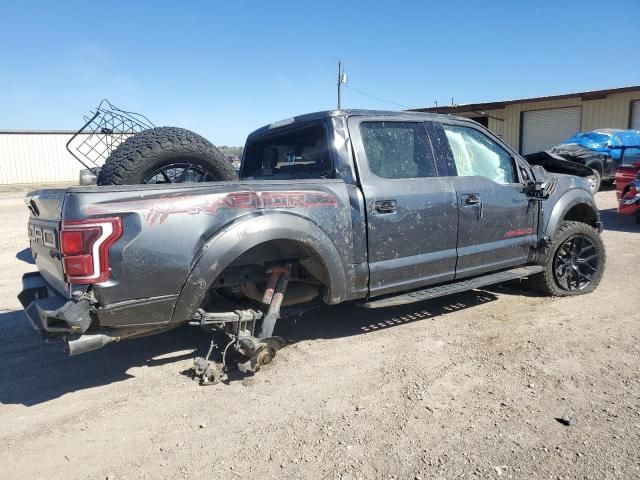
(309, 117)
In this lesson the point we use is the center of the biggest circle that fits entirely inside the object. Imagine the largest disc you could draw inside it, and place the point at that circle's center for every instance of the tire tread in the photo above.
(545, 283)
(135, 155)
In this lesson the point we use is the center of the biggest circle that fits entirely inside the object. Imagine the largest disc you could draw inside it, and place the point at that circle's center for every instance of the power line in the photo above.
(374, 97)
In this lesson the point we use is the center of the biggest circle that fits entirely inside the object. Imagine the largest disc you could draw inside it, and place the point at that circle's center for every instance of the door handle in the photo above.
(472, 199)
(385, 206)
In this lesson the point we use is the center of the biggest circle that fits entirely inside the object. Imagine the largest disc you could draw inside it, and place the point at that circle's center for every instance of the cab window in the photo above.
(299, 153)
(475, 154)
(397, 149)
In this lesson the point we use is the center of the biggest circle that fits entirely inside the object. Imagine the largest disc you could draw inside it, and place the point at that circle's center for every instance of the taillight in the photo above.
(84, 245)
(74, 242)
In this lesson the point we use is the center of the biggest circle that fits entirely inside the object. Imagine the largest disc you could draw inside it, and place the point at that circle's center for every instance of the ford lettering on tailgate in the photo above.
(43, 236)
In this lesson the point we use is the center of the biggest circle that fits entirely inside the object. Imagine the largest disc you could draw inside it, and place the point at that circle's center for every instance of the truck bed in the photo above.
(168, 228)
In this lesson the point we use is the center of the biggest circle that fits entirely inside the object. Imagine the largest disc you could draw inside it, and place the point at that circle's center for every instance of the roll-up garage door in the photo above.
(635, 115)
(542, 129)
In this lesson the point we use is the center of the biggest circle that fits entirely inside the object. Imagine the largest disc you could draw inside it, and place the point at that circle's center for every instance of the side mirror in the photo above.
(538, 173)
(540, 183)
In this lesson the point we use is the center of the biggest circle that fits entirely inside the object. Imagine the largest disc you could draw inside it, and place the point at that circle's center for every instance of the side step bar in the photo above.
(456, 287)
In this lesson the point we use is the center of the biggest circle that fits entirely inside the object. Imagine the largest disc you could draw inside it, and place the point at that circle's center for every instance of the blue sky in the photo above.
(226, 68)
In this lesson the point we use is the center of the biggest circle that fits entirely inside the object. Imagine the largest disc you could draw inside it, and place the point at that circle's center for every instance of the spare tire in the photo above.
(165, 155)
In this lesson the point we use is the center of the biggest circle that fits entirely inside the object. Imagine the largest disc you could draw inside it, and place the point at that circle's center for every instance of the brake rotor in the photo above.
(263, 354)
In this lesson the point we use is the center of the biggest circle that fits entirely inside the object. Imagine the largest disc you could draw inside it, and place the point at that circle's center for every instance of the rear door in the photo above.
(497, 221)
(412, 213)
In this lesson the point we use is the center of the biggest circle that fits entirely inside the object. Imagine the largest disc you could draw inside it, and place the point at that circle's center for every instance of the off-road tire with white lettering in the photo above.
(145, 152)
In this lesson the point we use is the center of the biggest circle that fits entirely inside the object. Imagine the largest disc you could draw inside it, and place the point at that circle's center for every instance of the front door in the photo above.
(412, 213)
(497, 221)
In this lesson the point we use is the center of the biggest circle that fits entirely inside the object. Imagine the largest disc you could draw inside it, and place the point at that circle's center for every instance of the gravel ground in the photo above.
(469, 386)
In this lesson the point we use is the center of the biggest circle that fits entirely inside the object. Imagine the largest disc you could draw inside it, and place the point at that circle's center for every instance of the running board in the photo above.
(456, 287)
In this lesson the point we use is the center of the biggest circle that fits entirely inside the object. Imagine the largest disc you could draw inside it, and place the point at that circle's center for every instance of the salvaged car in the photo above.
(602, 150)
(629, 198)
(379, 208)
(626, 173)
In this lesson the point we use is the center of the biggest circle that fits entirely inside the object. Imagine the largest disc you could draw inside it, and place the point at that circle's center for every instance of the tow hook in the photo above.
(258, 349)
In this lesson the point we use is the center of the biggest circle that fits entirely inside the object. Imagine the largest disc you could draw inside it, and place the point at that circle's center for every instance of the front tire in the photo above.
(575, 264)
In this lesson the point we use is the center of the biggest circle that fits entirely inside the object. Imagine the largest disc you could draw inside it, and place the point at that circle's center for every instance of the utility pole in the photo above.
(342, 79)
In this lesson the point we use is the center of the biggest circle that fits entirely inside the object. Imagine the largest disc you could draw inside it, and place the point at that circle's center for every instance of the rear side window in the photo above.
(299, 153)
(475, 154)
(397, 149)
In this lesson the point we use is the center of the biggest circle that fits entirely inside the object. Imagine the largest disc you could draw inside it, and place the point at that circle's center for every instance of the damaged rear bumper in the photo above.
(69, 321)
(57, 317)
(51, 313)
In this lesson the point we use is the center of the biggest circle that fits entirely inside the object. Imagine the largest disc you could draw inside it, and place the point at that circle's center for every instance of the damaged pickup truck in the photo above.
(381, 208)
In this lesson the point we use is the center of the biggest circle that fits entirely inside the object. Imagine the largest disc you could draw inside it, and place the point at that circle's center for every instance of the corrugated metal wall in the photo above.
(36, 158)
(610, 112)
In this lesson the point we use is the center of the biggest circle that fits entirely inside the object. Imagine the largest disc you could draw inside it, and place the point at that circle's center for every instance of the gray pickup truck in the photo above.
(381, 208)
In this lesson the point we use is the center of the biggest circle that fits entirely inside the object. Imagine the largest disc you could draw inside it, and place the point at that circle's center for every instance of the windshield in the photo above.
(631, 156)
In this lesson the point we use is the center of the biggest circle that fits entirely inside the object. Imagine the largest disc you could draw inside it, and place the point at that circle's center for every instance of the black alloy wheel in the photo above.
(576, 262)
(178, 173)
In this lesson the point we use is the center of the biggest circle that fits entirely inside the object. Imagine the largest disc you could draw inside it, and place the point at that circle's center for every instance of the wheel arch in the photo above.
(597, 165)
(225, 248)
(575, 205)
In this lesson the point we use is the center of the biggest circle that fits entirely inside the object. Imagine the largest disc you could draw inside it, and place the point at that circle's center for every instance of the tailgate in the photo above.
(45, 207)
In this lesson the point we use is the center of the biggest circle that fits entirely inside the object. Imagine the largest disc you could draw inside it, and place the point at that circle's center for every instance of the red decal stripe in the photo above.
(519, 232)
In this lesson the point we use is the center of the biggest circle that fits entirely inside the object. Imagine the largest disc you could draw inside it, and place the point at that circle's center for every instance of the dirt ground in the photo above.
(469, 386)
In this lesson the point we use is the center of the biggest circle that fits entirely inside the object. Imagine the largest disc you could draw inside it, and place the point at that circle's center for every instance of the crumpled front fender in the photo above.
(562, 204)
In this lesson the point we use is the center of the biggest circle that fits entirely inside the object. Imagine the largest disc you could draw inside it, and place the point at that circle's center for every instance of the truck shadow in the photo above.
(33, 372)
(348, 319)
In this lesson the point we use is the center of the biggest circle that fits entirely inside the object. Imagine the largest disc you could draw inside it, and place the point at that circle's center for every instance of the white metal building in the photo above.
(534, 124)
(36, 157)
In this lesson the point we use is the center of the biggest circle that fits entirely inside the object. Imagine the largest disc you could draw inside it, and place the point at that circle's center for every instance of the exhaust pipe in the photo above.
(94, 341)
(86, 343)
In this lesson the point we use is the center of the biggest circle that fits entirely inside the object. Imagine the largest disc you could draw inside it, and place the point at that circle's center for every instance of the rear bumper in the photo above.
(49, 312)
(60, 318)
